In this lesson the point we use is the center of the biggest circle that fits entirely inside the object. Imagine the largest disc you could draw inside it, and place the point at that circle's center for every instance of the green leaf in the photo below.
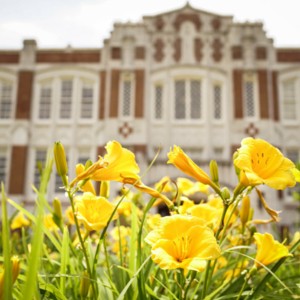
(6, 248)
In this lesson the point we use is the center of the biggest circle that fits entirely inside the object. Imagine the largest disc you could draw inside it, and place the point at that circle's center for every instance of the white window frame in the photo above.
(295, 81)
(69, 99)
(221, 85)
(79, 78)
(4, 154)
(187, 82)
(7, 77)
(155, 85)
(251, 77)
(127, 77)
(48, 84)
(84, 83)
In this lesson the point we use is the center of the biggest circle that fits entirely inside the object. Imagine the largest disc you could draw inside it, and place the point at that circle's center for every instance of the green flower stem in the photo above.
(94, 287)
(96, 256)
(107, 259)
(192, 276)
(246, 278)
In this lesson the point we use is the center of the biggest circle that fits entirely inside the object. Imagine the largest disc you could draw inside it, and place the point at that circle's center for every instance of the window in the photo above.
(289, 101)
(66, 99)
(249, 105)
(5, 100)
(217, 101)
(40, 159)
(45, 102)
(3, 163)
(187, 99)
(126, 107)
(87, 96)
(64, 95)
(158, 102)
(127, 95)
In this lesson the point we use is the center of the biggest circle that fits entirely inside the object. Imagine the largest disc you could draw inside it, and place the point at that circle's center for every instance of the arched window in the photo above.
(66, 95)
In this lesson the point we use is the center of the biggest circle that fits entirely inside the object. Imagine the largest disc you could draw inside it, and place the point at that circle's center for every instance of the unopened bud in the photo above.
(57, 212)
(104, 189)
(15, 270)
(61, 162)
(84, 284)
(245, 210)
(57, 207)
(225, 193)
(214, 172)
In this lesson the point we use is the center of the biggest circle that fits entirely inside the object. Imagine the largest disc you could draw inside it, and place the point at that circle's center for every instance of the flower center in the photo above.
(182, 247)
(260, 164)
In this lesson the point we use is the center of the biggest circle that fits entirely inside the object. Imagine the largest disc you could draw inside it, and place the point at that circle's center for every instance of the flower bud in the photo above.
(104, 189)
(57, 207)
(84, 284)
(214, 172)
(245, 210)
(61, 161)
(225, 193)
(57, 212)
(15, 270)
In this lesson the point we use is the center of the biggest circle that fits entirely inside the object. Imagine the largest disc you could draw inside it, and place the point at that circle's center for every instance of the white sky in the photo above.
(85, 23)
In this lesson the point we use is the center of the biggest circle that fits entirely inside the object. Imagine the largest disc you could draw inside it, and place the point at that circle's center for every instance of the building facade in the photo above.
(185, 77)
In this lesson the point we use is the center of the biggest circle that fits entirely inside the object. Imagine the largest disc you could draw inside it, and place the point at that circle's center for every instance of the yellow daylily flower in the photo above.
(69, 216)
(182, 242)
(211, 212)
(153, 221)
(268, 249)
(92, 211)
(165, 184)
(296, 173)
(183, 209)
(88, 186)
(117, 165)
(261, 163)
(15, 270)
(19, 221)
(183, 162)
(49, 223)
(188, 187)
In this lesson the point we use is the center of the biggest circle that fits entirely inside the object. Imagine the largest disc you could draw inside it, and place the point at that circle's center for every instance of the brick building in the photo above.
(186, 77)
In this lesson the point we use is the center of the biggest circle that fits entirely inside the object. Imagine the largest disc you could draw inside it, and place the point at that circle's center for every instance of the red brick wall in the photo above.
(139, 93)
(114, 93)
(9, 58)
(102, 95)
(288, 55)
(24, 95)
(238, 93)
(263, 94)
(18, 170)
(65, 57)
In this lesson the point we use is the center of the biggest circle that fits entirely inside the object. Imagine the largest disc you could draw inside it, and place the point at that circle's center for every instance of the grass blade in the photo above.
(6, 248)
